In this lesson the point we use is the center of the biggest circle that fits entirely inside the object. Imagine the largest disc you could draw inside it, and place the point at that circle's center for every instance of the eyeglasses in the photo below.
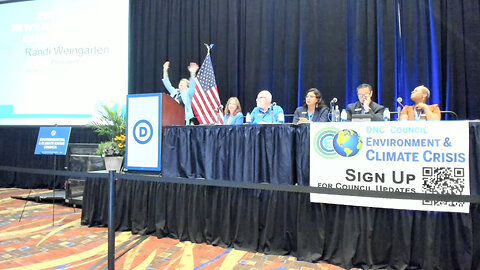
(363, 95)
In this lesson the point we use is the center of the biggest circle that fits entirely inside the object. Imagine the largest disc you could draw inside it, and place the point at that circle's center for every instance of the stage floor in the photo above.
(33, 243)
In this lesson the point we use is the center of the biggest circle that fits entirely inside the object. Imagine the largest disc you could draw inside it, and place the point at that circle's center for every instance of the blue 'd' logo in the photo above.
(332, 143)
(142, 131)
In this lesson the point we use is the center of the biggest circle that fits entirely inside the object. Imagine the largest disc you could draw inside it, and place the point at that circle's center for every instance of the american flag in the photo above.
(206, 102)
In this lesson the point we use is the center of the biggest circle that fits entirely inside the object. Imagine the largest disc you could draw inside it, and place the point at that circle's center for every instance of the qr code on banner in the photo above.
(443, 180)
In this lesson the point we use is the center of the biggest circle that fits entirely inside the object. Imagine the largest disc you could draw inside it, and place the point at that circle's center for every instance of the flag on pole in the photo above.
(206, 102)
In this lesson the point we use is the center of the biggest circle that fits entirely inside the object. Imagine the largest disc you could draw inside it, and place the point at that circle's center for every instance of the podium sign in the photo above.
(52, 141)
(143, 132)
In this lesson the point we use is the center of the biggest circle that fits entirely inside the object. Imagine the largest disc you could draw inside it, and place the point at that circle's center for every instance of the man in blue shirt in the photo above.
(185, 91)
(266, 112)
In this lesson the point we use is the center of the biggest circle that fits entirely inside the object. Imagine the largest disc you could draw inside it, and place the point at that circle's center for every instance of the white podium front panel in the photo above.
(143, 132)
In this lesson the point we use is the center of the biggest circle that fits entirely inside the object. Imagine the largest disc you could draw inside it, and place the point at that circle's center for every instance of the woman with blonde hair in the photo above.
(420, 111)
(233, 112)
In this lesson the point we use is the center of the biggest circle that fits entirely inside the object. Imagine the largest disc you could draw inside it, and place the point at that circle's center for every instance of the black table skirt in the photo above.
(252, 153)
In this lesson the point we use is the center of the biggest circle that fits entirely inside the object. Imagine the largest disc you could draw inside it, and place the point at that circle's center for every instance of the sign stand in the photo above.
(51, 141)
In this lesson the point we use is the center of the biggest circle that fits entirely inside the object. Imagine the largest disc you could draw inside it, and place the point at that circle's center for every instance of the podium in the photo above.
(147, 116)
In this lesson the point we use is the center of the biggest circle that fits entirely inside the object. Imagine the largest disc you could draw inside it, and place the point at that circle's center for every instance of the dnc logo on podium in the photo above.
(142, 131)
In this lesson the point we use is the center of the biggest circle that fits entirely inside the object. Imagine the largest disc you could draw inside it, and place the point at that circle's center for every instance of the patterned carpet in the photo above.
(33, 243)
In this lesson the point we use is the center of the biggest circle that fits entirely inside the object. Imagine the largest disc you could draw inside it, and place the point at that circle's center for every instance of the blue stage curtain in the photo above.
(333, 45)
(370, 54)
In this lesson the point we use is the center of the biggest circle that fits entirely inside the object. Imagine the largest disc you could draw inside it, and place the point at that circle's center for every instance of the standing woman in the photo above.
(314, 110)
(420, 111)
(185, 91)
(233, 112)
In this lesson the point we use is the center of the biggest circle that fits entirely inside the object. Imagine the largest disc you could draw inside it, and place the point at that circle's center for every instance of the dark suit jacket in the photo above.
(376, 110)
(319, 115)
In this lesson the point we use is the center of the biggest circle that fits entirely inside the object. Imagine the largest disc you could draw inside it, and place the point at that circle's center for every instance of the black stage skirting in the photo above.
(276, 222)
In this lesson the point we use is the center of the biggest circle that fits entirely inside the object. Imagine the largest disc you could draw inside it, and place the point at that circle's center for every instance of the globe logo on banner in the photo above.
(331, 143)
(347, 143)
(142, 132)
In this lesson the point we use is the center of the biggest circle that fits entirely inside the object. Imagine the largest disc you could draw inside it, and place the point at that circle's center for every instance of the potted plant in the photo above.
(111, 126)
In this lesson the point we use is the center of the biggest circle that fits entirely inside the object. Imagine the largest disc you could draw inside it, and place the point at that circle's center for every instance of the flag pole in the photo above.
(208, 48)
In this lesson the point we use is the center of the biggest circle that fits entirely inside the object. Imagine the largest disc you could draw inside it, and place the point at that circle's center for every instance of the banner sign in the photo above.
(405, 156)
(52, 141)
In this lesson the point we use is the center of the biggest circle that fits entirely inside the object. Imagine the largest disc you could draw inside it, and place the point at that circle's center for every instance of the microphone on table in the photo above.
(217, 110)
(271, 107)
(332, 105)
(399, 109)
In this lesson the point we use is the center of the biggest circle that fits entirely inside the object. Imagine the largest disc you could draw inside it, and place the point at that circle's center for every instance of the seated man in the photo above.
(365, 105)
(266, 112)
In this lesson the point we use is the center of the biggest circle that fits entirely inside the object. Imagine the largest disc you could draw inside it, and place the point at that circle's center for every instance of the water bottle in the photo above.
(248, 118)
(343, 115)
(336, 114)
(386, 115)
